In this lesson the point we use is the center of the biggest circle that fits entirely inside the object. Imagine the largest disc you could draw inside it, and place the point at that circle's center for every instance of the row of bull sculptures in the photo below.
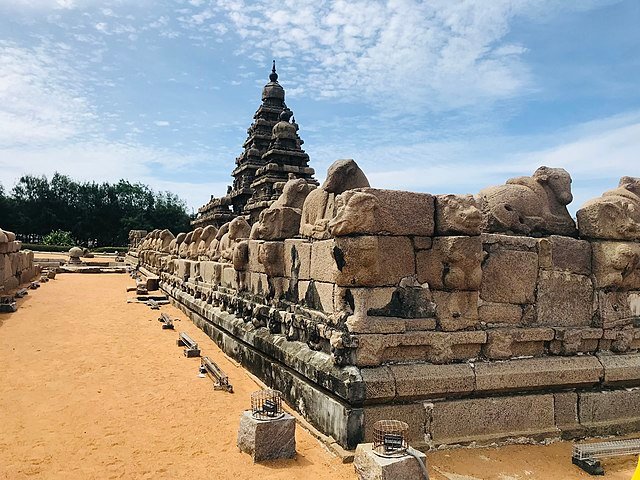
(345, 204)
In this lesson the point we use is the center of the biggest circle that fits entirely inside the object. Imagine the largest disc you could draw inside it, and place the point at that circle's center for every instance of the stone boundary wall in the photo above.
(16, 266)
(472, 317)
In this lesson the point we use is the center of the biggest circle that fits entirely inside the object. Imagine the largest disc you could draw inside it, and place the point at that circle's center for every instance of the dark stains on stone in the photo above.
(407, 303)
(338, 256)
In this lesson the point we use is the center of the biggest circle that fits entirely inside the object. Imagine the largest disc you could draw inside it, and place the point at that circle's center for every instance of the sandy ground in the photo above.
(92, 387)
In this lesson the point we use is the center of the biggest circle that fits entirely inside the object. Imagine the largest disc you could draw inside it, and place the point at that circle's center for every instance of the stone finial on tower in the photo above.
(273, 76)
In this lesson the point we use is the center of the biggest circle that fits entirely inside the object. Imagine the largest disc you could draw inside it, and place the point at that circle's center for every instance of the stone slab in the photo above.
(297, 258)
(420, 380)
(621, 369)
(564, 299)
(509, 276)
(537, 373)
(609, 412)
(565, 254)
(267, 440)
(369, 261)
(370, 466)
(487, 419)
(499, 313)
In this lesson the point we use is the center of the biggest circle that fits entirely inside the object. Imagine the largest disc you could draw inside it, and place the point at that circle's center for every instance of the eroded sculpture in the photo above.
(533, 205)
(615, 215)
(320, 205)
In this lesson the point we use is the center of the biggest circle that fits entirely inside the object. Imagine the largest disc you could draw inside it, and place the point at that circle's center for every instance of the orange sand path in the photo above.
(93, 388)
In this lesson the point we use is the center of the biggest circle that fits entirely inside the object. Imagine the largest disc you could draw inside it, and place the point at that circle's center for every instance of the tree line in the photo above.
(100, 214)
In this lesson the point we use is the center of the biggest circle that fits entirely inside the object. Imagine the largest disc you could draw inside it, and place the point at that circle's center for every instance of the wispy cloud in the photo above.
(403, 55)
(41, 98)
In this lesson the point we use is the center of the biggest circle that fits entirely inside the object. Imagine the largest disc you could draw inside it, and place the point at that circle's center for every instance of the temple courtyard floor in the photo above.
(91, 387)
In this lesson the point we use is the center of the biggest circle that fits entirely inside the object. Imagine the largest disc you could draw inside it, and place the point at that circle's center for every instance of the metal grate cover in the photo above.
(390, 438)
(616, 448)
(266, 404)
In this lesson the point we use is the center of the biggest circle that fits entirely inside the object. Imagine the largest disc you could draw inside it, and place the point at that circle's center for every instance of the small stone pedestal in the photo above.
(370, 466)
(267, 439)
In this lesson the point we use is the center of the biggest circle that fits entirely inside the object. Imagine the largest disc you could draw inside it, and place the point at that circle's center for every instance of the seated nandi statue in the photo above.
(535, 205)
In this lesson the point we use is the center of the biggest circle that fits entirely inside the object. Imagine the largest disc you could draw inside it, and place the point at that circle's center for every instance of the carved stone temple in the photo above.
(272, 154)
(474, 318)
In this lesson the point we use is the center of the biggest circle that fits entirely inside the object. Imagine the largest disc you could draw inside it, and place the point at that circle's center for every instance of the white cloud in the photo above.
(40, 97)
(162, 123)
(403, 55)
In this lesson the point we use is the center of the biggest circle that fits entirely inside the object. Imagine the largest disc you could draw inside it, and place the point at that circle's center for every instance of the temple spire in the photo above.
(273, 76)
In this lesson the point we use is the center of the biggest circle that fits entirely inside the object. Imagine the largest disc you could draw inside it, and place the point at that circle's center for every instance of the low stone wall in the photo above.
(16, 266)
(472, 318)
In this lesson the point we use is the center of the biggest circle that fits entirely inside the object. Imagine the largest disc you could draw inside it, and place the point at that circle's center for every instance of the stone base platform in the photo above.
(267, 440)
(370, 466)
(483, 402)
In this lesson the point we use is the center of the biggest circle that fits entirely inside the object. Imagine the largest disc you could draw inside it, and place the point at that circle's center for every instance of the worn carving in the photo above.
(615, 215)
(533, 205)
(320, 205)
(282, 219)
(457, 215)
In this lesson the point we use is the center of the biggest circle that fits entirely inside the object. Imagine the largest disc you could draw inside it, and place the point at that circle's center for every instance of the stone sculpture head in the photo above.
(558, 180)
(344, 175)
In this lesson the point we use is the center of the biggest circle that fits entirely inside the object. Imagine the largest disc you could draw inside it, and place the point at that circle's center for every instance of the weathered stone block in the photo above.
(457, 215)
(616, 264)
(434, 347)
(564, 299)
(570, 341)
(537, 373)
(267, 440)
(323, 265)
(621, 370)
(370, 324)
(371, 211)
(419, 380)
(496, 241)
(370, 466)
(208, 272)
(371, 261)
(499, 313)
(485, 419)
(317, 295)
(565, 254)
(258, 283)
(451, 263)
(228, 277)
(271, 255)
(565, 409)
(456, 310)
(616, 407)
(615, 308)
(509, 276)
(516, 342)
(297, 258)
(379, 384)
(413, 414)
(422, 243)
(254, 256)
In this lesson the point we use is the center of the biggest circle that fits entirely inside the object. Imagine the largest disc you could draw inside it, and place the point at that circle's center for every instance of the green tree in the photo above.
(94, 213)
(58, 237)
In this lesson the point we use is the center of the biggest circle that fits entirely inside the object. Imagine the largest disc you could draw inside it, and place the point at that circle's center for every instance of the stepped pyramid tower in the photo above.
(272, 154)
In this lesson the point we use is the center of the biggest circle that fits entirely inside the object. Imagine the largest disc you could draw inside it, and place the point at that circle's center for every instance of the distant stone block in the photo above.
(267, 439)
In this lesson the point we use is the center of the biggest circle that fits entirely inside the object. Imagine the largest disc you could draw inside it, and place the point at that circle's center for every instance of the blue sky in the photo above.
(438, 96)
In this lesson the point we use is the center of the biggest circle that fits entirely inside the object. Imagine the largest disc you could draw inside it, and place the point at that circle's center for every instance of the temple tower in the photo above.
(271, 152)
